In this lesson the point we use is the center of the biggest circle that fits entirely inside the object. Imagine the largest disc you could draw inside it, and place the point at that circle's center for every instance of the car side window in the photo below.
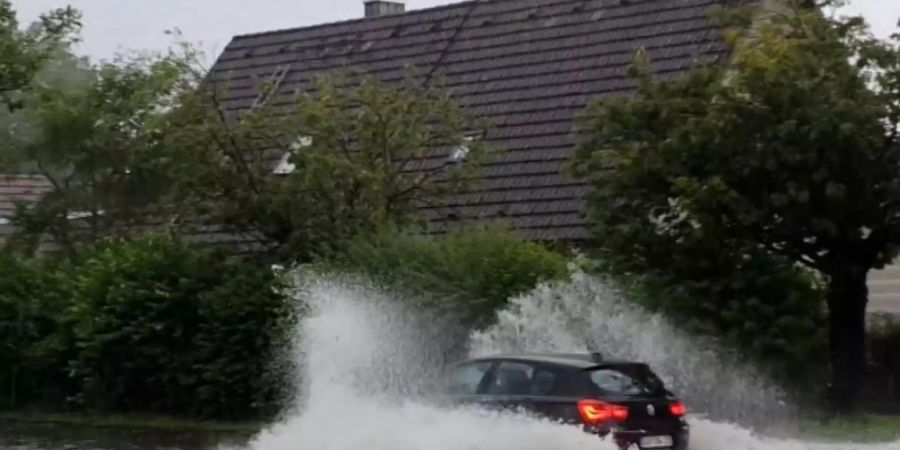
(557, 382)
(511, 379)
(544, 382)
(465, 380)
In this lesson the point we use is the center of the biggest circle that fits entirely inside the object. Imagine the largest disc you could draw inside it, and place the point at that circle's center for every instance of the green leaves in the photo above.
(356, 154)
(787, 153)
(95, 131)
(170, 328)
(794, 144)
(471, 274)
(150, 325)
(25, 53)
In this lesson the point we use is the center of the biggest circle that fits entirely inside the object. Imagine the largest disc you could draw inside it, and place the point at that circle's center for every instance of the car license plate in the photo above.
(656, 441)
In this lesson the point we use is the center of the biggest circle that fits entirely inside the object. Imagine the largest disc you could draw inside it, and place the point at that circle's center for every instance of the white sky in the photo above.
(115, 25)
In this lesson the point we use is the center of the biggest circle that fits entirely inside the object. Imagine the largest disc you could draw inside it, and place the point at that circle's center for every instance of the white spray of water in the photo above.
(365, 360)
(588, 313)
(361, 354)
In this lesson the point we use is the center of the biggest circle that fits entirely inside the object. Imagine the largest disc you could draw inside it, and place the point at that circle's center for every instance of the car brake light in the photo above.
(677, 409)
(595, 412)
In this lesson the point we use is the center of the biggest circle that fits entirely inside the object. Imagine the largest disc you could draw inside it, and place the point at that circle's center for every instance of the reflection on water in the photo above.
(17, 436)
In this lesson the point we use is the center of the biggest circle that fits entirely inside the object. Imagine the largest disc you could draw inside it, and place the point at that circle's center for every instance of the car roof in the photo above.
(574, 360)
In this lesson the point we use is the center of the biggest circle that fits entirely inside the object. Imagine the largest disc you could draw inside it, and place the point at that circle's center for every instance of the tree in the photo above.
(94, 131)
(467, 274)
(789, 149)
(343, 158)
(23, 54)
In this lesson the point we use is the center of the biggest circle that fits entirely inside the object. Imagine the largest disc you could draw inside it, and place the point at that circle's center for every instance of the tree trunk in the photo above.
(847, 298)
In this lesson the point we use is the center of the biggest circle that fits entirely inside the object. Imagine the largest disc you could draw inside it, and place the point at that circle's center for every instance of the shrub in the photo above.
(162, 327)
(883, 383)
(771, 312)
(472, 273)
(29, 302)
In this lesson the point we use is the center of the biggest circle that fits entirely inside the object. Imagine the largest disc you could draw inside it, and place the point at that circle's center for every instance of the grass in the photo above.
(870, 428)
(132, 422)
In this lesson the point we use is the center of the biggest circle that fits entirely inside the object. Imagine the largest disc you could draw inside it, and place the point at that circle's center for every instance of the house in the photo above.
(529, 66)
(24, 189)
(16, 190)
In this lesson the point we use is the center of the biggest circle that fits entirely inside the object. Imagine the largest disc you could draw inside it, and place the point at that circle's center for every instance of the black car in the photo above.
(623, 399)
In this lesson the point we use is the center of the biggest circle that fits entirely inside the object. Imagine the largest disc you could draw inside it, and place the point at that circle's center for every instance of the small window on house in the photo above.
(301, 143)
(78, 215)
(75, 215)
(285, 166)
(459, 153)
(4, 221)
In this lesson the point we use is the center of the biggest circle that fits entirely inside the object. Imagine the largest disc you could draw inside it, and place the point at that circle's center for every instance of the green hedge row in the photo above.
(154, 326)
(150, 325)
(470, 273)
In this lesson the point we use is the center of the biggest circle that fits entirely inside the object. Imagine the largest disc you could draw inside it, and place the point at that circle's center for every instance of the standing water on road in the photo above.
(364, 361)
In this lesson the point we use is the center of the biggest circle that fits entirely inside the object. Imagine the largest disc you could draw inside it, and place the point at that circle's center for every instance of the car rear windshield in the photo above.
(627, 380)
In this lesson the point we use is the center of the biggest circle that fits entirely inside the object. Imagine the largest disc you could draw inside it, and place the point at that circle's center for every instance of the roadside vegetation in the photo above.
(864, 428)
(747, 211)
(469, 274)
(149, 325)
(768, 182)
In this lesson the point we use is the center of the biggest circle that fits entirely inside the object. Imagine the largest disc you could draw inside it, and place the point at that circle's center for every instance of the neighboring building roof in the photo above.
(20, 189)
(528, 65)
(17, 189)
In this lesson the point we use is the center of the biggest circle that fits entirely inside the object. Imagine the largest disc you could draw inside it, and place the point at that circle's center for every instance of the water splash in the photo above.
(365, 361)
(363, 358)
(589, 313)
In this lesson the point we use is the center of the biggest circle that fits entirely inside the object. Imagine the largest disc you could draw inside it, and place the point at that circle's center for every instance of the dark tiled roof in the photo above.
(527, 65)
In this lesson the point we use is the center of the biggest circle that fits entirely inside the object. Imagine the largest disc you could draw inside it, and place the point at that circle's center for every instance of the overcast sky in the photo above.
(115, 25)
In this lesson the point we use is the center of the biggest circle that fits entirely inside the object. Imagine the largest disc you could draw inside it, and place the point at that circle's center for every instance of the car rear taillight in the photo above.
(595, 412)
(677, 409)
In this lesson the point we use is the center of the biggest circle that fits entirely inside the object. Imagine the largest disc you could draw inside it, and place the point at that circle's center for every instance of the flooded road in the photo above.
(19, 436)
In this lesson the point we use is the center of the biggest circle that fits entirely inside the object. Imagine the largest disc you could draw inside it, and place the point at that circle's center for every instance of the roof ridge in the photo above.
(450, 41)
(359, 19)
(431, 9)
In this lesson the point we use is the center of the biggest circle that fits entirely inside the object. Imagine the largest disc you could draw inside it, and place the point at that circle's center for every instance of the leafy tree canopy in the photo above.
(23, 53)
(341, 158)
(788, 148)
